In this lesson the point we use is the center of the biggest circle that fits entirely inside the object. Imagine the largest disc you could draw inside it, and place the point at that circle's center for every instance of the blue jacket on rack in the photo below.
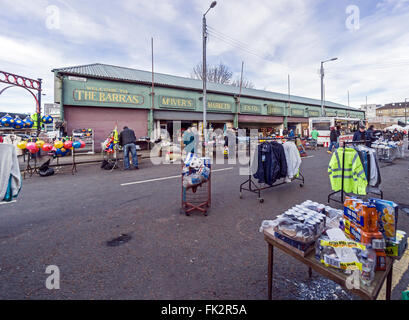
(272, 164)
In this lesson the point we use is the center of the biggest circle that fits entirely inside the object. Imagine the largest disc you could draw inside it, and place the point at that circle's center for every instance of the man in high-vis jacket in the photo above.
(354, 174)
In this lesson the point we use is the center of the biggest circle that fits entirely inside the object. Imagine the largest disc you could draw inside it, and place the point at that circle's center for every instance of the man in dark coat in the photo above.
(360, 135)
(127, 139)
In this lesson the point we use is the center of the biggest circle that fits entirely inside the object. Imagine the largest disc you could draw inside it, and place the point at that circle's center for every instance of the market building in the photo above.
(100, 96)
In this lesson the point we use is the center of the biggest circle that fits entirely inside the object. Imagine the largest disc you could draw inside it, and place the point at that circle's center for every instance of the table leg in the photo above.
(309, 272)
(389, 285)
(270, 271)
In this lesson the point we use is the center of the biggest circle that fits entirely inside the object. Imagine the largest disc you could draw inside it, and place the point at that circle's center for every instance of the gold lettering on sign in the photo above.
(176, 102)
(107, 96)
(219, 105)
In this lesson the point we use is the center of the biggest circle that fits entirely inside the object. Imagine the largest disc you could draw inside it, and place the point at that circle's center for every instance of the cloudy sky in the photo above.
(274, 39)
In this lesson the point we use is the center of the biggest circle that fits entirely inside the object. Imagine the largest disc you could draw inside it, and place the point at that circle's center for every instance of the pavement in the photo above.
(71, 220)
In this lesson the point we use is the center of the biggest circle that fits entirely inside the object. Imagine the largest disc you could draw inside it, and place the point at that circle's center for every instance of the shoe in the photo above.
(126, 169)
(330, 152)
(136, 168)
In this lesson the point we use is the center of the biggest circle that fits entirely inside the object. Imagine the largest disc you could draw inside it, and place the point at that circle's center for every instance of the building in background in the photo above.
(370, 110)
(53, 110)
(391, 113)
(99, 96)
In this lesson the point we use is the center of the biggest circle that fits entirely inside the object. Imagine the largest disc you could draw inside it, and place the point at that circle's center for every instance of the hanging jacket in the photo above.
(293, 158)
(267, 164)
(354, 173)
(10, 177)
(278, 150)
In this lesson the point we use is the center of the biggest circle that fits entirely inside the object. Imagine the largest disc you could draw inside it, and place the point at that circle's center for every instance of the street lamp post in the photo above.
(406, 118)
(322, 84)
(204, 69)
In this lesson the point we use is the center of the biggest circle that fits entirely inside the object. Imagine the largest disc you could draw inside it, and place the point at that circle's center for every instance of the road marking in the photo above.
(166, 178)
(8, 202)
(307, 157)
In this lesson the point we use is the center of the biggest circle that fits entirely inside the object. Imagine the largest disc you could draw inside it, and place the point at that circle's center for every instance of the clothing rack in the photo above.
(330, 196)
(250, 180)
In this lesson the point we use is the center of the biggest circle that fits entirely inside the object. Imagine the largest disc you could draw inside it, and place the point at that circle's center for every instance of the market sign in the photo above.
(250, 108)
(219, 106)
(107, 96)
(274, 110)
(297, 112)
(330, 113)
(175, 102)
(313, 113)
(342, 113)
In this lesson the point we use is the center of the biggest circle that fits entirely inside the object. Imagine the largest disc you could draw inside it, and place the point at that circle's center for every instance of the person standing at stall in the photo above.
(360, 135)
(127, 139)
(333, 140)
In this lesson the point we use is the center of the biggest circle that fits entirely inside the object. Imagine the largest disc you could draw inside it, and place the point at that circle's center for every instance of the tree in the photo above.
(218, 73)
(246, 83)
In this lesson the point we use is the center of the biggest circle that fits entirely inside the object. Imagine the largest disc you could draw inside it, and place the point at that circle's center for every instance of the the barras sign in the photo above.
(105, 95)
(176, 102)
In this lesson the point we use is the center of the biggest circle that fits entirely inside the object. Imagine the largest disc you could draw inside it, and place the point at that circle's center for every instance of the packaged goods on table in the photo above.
(195, 171)
(301, 225)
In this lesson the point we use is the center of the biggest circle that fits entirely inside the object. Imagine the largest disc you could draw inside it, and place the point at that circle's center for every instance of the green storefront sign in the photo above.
(107, 96)
(250, 108)
(219, 106)
(330, 113)
(313, 113)
(275, 110)
(176, 102)
(297, 112)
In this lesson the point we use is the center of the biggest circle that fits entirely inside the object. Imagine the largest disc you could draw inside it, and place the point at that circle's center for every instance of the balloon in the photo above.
(82, 144)
(28, 122)
(34, 150)
(76, 145)
(40, 143)
(31, 145)
(6, 121)
(47, 147)
(68, 144)
(58, 144)
(22, 145)
(18, 123)
(47, 119)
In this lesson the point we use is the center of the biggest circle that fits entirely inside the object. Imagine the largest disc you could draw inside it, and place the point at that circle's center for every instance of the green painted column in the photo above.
(150, 123)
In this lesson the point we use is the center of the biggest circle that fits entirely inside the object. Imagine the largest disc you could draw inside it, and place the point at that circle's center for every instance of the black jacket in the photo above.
(359, 136)
(127, 137)
(334, 135)
(278, 150)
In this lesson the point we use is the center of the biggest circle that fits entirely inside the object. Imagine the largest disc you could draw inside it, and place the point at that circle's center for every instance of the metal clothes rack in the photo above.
(330, 196)
(250, 180)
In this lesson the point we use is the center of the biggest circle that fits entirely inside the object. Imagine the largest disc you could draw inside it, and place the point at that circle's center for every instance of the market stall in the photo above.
(355, 247)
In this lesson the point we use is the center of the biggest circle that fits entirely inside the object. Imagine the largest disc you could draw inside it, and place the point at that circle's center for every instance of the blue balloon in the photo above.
(76, 145)
(28, 122)
(47, 119)
(18, 123)
(7, 121)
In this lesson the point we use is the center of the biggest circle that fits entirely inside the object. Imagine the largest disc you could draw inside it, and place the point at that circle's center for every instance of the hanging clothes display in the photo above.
(293, 158)
(354, 174)
(10, 176)
(371, 165)
(273, 162)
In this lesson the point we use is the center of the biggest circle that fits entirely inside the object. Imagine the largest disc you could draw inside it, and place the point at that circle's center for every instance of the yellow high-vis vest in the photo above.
(354, 173)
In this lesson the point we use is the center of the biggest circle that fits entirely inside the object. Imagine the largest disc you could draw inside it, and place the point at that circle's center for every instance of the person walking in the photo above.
(127, 140)
(314, 136)
(333, 140)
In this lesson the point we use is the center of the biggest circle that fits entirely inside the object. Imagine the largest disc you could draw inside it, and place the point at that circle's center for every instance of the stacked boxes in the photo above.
(360, 223)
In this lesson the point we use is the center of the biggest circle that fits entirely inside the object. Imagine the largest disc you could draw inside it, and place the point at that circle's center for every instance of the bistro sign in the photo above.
(104, 95)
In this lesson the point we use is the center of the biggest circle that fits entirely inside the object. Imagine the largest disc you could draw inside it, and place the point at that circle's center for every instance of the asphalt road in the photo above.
(67, 220)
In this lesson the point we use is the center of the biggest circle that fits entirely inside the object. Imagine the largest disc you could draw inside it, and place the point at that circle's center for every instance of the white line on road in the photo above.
(307, 157)
(8, 202)
(166, 178)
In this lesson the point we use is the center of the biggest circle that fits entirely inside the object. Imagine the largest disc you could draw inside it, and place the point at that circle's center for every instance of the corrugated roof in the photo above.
(398, 105)
(109, 72)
